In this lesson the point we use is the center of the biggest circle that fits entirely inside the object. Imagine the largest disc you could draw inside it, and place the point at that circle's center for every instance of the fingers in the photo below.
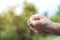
(31, 23)
(31, 26)
(34, 30)
(34, 17)
(40, 22)
(37, 17)
(37, 23)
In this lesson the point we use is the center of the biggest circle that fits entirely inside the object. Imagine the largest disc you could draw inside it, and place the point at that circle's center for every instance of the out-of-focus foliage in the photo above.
(13, 27)
(56, 17)
(28, 11)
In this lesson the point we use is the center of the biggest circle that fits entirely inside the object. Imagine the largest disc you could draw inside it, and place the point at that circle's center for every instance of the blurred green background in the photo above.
(14, 27)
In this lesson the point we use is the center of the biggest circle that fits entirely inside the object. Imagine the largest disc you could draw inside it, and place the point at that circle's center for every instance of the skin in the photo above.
(40, 24)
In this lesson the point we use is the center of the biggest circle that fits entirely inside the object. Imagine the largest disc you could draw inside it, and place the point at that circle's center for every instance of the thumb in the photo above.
(39, 22)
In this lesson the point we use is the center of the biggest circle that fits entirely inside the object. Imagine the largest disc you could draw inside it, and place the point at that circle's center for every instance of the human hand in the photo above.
(39, 24)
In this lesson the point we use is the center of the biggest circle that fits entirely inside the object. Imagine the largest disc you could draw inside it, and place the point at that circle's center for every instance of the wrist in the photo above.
(50, 27)
(57, 25)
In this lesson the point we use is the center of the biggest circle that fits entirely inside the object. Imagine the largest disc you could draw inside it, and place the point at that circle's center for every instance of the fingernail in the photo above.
(33, 22)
